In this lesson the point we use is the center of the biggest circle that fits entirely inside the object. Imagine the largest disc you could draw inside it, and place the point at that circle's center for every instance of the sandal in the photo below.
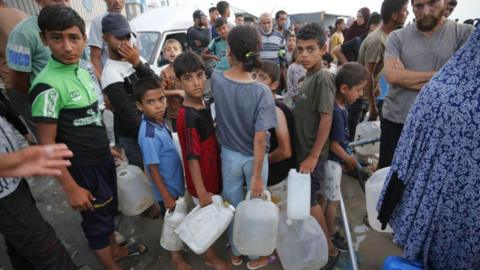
(236, 260)
(271, 259)
(134, 250)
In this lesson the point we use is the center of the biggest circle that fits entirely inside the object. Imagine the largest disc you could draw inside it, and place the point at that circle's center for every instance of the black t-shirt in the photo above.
(351, 48)
(339, 131)
(278, 171)
(198, 38)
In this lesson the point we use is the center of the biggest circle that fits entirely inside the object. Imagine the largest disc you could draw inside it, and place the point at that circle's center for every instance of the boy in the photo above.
(291, 43)
(122, 69)
(350, 82)
(217, 48)
(313, 117)
(197, 140)
(281, 155)
(65, 110)
(170, 84)
(162, 161)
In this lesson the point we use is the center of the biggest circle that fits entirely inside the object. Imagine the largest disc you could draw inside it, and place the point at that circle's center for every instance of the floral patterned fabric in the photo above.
(437, 158)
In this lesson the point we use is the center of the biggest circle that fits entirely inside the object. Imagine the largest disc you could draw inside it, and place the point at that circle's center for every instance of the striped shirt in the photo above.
(271, 44)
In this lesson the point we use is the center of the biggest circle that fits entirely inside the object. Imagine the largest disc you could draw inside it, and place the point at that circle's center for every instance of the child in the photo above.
(170, 84)
(217, 48)
(350, 81)
(201, 156)
(294, 73)
(120, 73)
(281, 156)
(313, 118)
(162, 161)
(291, 43)
(65, 110)
(245, 111)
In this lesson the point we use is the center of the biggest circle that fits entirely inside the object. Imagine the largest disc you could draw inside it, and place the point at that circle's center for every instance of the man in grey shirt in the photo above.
(412, 56)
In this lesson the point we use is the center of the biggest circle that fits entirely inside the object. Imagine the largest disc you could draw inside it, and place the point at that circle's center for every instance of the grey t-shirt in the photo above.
(419, 53)
(8, 144)
(241, 110)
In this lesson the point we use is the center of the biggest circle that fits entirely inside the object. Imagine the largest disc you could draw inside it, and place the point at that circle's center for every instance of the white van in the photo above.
(158, 25)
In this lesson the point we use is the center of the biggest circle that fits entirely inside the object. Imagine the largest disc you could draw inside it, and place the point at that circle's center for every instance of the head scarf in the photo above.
(357, 30)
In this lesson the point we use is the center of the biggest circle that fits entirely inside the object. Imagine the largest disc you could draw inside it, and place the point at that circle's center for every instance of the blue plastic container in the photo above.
(399, 263)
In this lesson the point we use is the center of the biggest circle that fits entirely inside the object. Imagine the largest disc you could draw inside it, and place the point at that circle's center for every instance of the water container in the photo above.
(170, 240)
(204, 225)
(134, 191)
(255, 226)
(399, 263)
(368, 130)
(373, 189)
(298, 195)
(279, 192)
(301, 244)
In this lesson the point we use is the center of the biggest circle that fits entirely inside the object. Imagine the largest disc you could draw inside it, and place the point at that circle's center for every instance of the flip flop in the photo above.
(271, 259)
(134, 250)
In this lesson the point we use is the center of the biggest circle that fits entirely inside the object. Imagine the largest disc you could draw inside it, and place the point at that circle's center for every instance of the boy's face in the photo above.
(352, 94)
(153, 104)
(193, 83)
(223, 31)
(67, 46)
(291, 43)
(310, 53)
(262, 77)
(172, 50)
(239, 20)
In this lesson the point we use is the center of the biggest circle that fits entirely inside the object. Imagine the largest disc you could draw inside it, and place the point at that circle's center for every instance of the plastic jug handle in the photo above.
(266, 193)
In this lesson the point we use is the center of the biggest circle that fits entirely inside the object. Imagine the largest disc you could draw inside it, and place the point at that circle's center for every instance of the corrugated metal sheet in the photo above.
(30, 7)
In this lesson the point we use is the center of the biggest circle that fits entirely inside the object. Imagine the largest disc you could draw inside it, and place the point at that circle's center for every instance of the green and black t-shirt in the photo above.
(63, 94)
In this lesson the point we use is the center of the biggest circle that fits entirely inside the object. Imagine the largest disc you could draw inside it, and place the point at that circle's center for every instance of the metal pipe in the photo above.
(348, 235)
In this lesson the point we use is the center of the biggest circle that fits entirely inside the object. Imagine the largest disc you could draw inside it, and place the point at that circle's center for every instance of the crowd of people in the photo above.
(282, 97)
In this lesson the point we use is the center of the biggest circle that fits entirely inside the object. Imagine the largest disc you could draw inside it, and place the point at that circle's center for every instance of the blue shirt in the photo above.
(339, 130)
(218, 47)
(158, 148)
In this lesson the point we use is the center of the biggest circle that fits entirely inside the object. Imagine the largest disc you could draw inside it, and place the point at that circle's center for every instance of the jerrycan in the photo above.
(368, 130)
(298, 195)
(204, 225)
(373, 189)
(255, 226)
(134, 191)
(170, 240)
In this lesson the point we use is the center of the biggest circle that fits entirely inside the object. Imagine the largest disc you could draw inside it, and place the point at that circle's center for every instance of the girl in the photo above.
(245, 111)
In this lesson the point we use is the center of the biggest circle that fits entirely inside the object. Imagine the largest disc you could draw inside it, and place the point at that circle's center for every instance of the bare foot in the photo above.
(133, 249)
(179, 262)
(215, 262)
(260, 262)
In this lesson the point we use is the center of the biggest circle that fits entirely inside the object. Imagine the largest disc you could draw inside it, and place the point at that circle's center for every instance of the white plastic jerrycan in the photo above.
(134, 191)
(301, 244)
(298, 195)
(373, 189)
(170, 240)
(368, 130)
(255, 226)
(204, 225)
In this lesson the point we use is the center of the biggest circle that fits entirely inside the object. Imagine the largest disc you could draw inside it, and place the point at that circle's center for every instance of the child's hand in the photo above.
(170, 203)
(350, 163)
(256, 186)
(205, 199)
(308, 165)
(80, 199)
(129, 53)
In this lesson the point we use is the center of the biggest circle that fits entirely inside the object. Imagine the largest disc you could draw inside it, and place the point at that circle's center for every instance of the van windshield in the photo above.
(148, 43)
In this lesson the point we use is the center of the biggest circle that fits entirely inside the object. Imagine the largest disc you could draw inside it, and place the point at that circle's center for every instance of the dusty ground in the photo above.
(372, 247)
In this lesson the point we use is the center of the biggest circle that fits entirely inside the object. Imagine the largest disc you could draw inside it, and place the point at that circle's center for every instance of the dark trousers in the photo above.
(356, 114)
(31, 241)
(388, 142)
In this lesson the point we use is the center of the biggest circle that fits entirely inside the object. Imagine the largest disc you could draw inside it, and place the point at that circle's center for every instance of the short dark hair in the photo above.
(188, 62)
(351, 74)
(244, 42)
(328, 57)
(452, 3)
(271, 69)
(389, 7)
(291, 35)
(239, 15)
(220, 22)
(59, 18)
(280, 13)
(145, 84)
(312, 31)
(222, 7)
(212, 9)
(375, 18)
